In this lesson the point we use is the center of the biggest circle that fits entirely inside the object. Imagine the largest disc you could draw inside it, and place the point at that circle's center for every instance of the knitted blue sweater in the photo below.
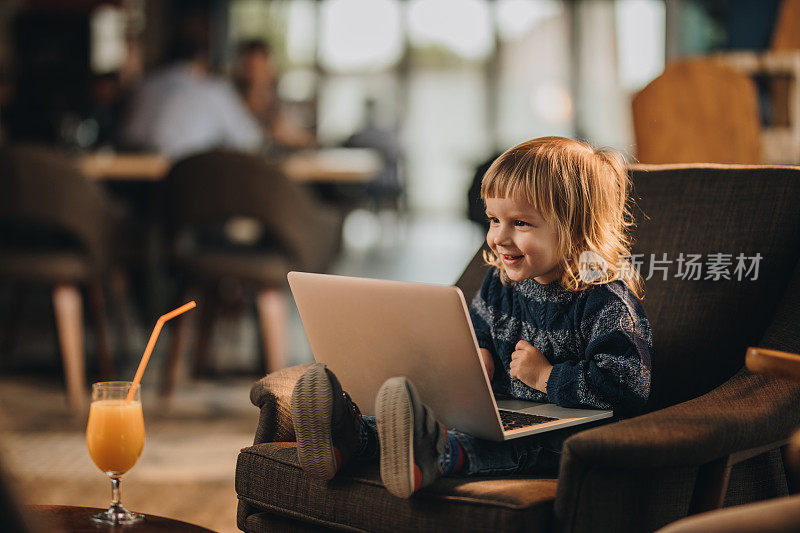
(598, 340)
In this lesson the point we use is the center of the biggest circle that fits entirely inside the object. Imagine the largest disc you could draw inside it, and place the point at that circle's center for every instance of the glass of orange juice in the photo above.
(115, 437)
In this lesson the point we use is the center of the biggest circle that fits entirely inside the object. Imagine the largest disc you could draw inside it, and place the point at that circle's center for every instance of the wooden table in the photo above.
(333, 165)
(67, 518)
(135, 167)
(329, 165)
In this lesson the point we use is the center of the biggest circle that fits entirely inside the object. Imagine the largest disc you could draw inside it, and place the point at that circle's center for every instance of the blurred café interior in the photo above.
(154, 152)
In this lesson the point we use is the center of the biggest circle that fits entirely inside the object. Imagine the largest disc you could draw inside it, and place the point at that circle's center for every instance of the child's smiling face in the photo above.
(524, 241)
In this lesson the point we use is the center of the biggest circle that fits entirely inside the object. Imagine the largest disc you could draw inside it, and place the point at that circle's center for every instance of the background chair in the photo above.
(697, 110)
(56, 229)
(236, 217)
(715, 429)
(786, 35)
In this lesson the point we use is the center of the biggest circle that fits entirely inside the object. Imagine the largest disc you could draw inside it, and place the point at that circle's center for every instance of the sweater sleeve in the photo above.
(614, 372)
(480, 313)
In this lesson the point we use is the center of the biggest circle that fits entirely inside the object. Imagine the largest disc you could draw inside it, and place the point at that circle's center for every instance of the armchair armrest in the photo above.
(657, 457)
(745, 412)
(774, 363)
(273, 395)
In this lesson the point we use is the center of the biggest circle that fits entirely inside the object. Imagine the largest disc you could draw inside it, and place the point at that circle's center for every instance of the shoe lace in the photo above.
(354, 410)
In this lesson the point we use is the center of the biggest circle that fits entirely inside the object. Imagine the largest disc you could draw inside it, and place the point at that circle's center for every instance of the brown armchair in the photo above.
(57, 230)
(780, 515)
(209, 190)
(713, 432)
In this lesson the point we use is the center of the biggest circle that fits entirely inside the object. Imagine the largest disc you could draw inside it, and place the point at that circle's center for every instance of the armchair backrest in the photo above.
(42, 191)
(702, 327)
(215, 186)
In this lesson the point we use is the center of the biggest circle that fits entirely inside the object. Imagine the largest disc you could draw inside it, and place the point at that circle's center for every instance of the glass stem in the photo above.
(115, 494)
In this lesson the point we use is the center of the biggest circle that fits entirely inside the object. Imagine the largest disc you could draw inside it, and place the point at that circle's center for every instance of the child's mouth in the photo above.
(511, 260)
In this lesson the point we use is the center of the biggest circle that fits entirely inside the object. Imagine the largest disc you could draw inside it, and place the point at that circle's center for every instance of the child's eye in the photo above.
(521, 223)
(492, 220)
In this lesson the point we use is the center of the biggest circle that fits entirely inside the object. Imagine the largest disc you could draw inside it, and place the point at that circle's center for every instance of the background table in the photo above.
(76, 519)
(333, 165)
(113, 166)
(327, 165)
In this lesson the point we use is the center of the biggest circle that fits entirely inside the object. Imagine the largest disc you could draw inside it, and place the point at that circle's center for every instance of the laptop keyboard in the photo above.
(514, 420)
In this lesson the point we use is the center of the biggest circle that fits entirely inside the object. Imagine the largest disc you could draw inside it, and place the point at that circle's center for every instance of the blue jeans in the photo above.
(537, 454)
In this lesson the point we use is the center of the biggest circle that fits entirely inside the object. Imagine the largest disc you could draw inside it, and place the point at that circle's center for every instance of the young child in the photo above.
(550, 328)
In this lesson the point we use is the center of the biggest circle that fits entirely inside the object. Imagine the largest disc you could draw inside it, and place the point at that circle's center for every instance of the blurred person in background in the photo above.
(386, 190)
(104, 108)
(256, 78)
(184, 109)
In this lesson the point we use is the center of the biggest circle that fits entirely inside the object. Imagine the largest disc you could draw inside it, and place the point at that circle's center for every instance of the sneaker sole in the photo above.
(312, 404)
(395, 417)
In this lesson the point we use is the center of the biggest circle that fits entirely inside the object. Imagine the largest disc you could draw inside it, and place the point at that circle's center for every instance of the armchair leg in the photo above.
(209, 304)
(711, 485)
(118, 296)
(271, 303)
(67, 305)
(178, 343)
(790, 454)
(13, 316)
(97, 306)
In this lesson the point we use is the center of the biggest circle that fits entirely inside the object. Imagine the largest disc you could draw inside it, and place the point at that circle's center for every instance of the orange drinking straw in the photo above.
(152, 342)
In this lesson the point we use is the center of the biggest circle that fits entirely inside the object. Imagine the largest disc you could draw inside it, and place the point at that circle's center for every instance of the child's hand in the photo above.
(488, 362)
(530, 366)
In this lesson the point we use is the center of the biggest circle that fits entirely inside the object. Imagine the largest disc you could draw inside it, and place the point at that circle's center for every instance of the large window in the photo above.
(461, 79)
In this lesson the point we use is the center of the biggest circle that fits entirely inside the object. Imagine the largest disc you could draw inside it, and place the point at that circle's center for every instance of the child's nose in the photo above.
(502, 235)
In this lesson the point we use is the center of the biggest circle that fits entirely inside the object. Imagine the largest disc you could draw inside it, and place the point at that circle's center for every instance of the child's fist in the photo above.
(530, 366)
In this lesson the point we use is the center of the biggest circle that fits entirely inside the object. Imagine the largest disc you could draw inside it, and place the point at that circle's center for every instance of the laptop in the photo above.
(368, 330)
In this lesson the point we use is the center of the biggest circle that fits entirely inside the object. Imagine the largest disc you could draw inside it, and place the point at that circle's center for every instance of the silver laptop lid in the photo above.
(368, 330)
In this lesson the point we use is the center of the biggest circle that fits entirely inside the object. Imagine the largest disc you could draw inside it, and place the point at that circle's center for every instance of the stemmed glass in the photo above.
(115, 438)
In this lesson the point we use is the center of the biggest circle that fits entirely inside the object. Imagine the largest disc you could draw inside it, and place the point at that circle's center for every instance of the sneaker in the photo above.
(326, 422)
(411, 439)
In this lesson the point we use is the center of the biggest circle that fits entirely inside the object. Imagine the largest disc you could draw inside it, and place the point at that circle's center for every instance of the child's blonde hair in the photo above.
(584, 191)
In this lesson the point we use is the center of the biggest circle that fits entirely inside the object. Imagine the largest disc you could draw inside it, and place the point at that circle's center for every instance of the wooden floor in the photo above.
(187, 467)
